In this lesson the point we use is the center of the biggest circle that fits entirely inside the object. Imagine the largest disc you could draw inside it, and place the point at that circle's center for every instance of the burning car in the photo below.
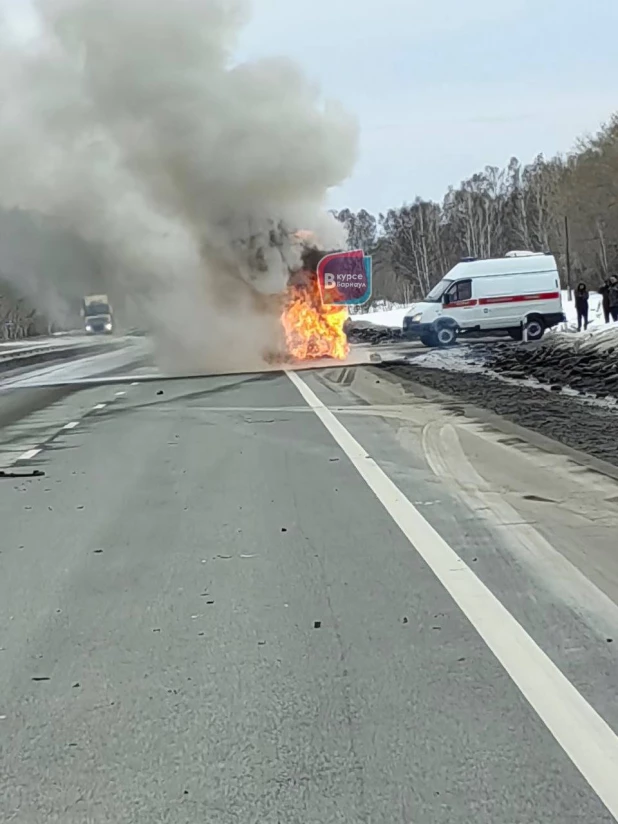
(312, 329)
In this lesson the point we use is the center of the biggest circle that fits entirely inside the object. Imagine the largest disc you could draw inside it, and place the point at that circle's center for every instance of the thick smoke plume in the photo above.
(129, 122)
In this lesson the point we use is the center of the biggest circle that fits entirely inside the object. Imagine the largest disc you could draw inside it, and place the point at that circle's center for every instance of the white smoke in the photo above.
(128, 120)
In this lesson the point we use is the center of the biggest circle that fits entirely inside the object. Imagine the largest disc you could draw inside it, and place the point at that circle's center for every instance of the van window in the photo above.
(437, 291)
(462, 290)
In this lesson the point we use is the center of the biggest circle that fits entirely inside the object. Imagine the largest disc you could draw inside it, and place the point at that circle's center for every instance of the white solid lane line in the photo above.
(586, 738)
(29, 455)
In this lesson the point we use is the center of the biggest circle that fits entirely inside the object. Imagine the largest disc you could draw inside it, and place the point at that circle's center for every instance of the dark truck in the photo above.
(98, 315)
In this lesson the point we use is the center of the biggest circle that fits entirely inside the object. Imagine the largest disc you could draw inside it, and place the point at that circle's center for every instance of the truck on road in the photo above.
(98, 315)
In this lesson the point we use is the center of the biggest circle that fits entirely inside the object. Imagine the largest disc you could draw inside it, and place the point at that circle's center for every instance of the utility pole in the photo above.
(568, 257)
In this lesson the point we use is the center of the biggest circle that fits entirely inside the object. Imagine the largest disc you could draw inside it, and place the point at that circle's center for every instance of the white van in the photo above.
(519, 291)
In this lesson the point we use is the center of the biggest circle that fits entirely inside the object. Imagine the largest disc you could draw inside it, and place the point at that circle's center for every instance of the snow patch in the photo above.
(457, 359)
(392, 314)
(595, 313)
(598, 339)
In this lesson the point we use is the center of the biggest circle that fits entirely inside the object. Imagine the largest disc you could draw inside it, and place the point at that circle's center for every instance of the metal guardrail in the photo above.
(17, 359)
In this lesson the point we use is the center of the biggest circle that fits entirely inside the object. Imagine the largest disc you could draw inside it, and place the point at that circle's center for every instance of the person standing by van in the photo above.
(604, 292)
(581, 305)
(612, 294)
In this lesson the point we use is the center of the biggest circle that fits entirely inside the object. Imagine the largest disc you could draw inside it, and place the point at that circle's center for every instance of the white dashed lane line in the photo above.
(29, 455)
(32, 453)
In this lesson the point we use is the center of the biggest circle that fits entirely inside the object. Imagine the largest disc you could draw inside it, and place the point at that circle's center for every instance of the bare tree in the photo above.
(362, 229)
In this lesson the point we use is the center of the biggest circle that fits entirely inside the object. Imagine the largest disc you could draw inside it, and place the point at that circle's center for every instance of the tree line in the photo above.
(535, 207)
(566, 205)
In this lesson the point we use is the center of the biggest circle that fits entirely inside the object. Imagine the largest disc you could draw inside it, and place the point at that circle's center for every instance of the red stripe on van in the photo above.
(519, 298)
(462, 304)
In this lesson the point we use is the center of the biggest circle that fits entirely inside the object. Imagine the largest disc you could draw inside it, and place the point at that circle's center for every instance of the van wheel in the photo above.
(446, 335)
(535, 329)
(428, 340)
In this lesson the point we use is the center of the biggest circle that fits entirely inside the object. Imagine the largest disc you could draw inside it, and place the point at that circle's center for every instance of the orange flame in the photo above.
(313, 329)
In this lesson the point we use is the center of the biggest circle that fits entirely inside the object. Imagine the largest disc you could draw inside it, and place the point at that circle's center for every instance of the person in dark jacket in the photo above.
(604, 292)
(581, 305)
(612, 295)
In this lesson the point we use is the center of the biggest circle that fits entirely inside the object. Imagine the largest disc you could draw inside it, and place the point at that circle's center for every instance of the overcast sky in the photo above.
(444, 87)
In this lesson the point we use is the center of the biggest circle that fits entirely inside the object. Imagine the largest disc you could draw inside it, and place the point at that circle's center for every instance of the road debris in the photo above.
(364, 332)
(35, 473)
(582, 363)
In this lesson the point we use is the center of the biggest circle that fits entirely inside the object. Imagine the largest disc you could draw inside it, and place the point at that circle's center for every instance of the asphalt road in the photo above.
(245, 599)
